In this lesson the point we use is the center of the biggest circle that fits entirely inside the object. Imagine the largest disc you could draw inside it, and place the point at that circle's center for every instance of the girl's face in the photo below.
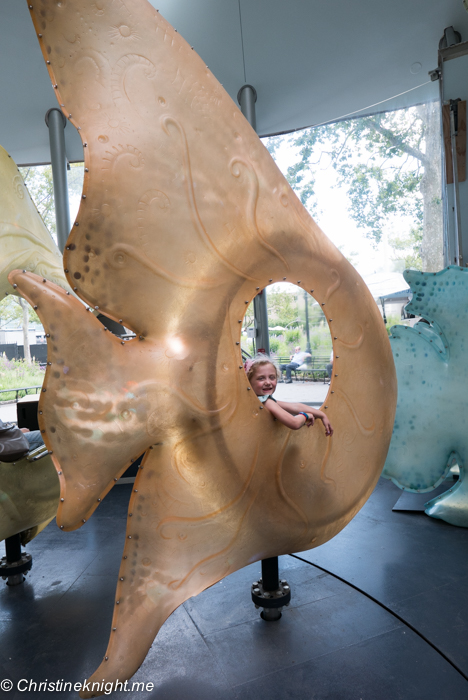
(264, 380)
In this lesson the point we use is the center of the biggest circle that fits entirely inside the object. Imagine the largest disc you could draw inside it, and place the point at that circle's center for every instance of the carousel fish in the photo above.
(184, 219)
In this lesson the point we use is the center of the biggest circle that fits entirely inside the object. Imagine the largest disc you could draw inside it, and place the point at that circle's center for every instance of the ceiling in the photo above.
(310, 61)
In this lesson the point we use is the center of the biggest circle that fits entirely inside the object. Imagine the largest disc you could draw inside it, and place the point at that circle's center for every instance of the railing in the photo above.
(17, 392)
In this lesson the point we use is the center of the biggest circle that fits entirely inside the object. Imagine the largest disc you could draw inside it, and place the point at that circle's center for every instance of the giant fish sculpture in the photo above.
(430, 433)
(25, 241)
(29, 489)
(184, 218)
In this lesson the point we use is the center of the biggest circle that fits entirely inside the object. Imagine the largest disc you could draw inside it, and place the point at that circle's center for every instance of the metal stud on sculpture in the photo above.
(430, 433)
(185, 215)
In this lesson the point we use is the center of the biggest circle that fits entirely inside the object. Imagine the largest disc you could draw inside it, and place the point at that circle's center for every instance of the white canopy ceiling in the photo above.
(310, 61)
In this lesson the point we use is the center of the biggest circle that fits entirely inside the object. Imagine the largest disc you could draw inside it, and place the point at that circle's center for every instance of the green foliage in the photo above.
(38, 180)
(282, 306)
(293, 336)
(379, 159)
(12, 313)
(410, 246)
(394, 320)
(18, 373)
(274, 344)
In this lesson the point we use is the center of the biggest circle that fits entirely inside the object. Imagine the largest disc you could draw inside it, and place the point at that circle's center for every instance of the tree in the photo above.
(389, 164)
(40, 184)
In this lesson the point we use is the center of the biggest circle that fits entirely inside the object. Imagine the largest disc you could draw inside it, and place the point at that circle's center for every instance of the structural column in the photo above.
(247, 98)
(56, 122)
(269, 592)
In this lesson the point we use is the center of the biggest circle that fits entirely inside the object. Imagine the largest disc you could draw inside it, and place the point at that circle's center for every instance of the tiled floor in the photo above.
(333, 642)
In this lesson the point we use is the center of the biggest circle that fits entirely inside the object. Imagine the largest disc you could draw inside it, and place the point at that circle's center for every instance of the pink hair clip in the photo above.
(248, 364)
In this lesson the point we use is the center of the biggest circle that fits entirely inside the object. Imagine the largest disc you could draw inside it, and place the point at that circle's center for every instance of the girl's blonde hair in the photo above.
(258, 361)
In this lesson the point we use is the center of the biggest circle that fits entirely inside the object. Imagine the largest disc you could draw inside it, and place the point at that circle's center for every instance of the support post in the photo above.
(456, 189)
(56, 122)
(306, 301)
(269, 592)
(15, 563)
(247, 97)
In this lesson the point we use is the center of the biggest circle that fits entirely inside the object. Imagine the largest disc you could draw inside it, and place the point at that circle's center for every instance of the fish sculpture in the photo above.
(29, 489)
(430, 433)
(25, 241)
(184, 219)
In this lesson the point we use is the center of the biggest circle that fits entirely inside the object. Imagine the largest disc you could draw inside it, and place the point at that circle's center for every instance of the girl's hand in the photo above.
(310, 420)
(327, 426)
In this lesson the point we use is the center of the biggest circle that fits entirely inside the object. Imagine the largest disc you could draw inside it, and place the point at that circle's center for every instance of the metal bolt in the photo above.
(121, 578)
(117, 602)
(248, 388)
(96, 308)
(61, 527)
(76, 223)
(298, 281)
(66, 270)
(86, 170)
(62, 499)
(99, 500)
(129, 537)
(256, 591)
(237, 342)
(84, 196)
(15, 286)
(35, 307)
(83, 521)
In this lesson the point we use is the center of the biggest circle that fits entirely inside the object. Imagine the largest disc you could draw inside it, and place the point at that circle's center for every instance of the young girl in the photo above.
(263, 377)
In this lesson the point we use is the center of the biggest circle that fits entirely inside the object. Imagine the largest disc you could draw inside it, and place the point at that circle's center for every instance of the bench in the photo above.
(315, 369)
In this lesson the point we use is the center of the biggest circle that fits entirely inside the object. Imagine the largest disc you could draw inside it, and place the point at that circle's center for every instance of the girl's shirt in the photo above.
(262, 399)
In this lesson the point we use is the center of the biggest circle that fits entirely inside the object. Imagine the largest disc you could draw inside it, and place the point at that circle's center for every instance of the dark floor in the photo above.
(333, 642)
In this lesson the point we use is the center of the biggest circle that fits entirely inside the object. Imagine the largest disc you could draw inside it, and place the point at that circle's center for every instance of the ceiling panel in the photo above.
(310, 62)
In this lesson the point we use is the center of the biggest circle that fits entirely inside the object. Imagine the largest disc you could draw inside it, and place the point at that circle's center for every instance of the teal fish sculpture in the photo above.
(430, 432)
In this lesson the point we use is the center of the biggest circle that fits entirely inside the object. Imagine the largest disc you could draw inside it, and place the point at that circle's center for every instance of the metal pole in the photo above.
(247, 97)
(306, 299)
(456, 194)
(269, 593)
(56, 122)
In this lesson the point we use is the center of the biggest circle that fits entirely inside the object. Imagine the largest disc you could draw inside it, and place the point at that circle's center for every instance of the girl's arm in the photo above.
(296, 407)
(290, 421)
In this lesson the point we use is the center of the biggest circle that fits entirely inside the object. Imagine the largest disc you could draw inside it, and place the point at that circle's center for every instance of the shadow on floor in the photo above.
(333, 642)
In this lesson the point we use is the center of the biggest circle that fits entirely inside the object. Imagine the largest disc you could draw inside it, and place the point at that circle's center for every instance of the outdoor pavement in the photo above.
(307, 392)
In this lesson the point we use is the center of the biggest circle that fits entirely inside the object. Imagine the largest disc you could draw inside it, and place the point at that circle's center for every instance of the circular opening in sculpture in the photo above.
(298, 338)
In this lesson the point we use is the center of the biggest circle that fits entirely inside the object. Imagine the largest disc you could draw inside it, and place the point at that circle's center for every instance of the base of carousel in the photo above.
(389, 620)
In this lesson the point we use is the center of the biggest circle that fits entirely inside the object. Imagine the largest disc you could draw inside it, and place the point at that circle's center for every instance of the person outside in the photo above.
(296, 361)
